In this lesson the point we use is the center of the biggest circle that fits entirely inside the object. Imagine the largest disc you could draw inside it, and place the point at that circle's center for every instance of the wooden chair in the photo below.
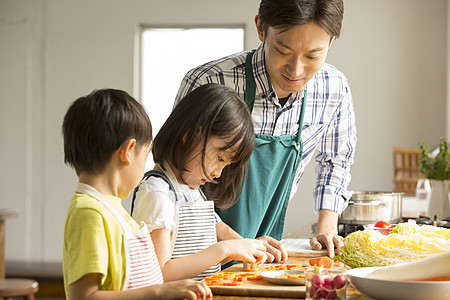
(12, 287)
(406, 170)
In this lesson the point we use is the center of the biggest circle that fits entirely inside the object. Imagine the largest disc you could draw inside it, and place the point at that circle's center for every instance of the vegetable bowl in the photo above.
(381, 226)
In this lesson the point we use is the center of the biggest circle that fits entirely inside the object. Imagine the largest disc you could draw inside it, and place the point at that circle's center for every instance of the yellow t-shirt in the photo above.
(93, 242)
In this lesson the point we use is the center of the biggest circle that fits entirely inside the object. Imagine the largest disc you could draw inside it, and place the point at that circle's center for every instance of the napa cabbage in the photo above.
(406, 242)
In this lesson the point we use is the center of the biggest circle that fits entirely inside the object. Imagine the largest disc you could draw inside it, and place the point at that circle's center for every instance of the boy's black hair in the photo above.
(209, 110)
(96, 125)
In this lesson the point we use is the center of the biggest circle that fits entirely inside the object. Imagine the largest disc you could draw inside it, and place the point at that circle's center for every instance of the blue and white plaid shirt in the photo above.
(328, 125)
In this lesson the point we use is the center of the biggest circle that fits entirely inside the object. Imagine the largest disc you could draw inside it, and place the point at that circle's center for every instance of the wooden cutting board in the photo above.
(299, 252)
(301, 248)
(260, 288)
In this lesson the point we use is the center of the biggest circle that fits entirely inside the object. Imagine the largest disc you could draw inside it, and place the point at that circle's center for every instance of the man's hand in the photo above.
(274, 249)
(326, 233)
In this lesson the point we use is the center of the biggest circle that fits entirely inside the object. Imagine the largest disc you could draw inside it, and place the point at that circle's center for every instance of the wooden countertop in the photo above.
(352, 294)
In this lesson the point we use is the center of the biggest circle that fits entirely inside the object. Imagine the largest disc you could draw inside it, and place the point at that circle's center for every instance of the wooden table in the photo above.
(352, 294)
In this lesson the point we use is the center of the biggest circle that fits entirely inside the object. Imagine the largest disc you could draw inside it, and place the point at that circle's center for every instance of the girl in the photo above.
(206, 141)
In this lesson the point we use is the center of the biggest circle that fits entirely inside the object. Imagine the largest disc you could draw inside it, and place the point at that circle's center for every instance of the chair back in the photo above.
(406, 170)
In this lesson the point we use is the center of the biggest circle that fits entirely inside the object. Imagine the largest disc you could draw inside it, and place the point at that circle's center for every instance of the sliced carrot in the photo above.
(240, 279)
(232, 283)
(254, 277)
(224, 274)
(295, 276)
(324, 261)
(297, 267)
(212, 282)
(245, 274)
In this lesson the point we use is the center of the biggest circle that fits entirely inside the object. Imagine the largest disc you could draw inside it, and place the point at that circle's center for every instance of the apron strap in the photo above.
(300, 123)
(146, 176)
(250, 84)
(84, 188)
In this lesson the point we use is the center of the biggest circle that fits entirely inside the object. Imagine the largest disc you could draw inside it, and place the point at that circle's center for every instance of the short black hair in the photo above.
(209, 110)
(327, 14)
(96, 125)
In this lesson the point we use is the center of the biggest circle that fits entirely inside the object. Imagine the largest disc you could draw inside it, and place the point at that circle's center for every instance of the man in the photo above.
(299, 105)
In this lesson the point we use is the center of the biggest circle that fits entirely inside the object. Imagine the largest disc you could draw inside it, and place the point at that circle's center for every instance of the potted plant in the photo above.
(437, 170)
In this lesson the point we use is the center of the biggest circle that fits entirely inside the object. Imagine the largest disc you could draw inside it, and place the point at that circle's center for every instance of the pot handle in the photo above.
(371, 203)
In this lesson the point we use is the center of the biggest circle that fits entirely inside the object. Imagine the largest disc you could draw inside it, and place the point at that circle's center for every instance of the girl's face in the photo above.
(215, 160)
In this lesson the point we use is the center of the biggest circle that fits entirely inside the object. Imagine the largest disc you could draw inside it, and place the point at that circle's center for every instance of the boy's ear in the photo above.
(125, 151)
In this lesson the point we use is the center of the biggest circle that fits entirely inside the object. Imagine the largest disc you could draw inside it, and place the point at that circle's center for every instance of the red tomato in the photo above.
(382, 224)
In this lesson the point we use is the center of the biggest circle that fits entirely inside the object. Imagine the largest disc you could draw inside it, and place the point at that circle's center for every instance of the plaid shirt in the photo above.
(328, 127)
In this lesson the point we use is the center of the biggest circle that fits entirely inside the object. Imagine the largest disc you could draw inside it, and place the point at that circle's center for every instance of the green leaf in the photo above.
(435, 168)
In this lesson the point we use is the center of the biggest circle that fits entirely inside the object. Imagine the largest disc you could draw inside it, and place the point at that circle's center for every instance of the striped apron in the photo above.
(196, 226)
(141, 264)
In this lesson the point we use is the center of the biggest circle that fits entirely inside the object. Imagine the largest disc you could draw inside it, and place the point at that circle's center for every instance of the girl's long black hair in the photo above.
(209, 110)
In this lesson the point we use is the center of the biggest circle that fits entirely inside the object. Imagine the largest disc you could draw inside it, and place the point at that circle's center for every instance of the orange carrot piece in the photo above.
(232, 283)
(214, 282)
(324, 261)
(254, 278)
(298, 267)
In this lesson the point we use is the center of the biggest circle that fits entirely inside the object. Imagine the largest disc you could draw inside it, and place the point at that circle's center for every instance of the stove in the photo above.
(347, 228)
(424, 220)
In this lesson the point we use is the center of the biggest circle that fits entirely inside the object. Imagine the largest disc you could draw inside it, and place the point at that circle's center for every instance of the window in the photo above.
(166, 56)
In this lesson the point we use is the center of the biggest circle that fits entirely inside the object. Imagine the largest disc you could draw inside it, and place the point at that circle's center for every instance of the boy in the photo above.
(107, 137)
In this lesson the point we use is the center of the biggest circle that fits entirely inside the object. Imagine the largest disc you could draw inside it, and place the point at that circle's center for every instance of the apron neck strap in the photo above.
(87, 189)
(302, 114)
(250, 84)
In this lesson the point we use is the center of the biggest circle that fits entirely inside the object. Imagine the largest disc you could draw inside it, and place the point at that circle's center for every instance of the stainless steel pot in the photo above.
(366, 207)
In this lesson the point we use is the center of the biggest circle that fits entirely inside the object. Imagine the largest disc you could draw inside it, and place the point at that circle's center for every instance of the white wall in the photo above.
(394, 53)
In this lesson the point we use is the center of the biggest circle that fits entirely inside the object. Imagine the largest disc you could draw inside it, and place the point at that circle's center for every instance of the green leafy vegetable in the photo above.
(406, 242)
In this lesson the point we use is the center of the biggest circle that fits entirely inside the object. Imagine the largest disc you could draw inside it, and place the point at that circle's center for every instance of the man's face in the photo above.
(293, 56)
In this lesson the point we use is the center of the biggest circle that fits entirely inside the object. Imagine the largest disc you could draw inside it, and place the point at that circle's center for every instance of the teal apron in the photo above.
(261, 207)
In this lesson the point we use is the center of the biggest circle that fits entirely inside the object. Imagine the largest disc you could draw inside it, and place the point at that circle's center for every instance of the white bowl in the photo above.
(383, 230)
(397, 290)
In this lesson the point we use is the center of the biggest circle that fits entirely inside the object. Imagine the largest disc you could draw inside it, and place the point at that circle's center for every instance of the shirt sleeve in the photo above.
(335, 156)
(154, 205)
(86, 244)
(189, 83)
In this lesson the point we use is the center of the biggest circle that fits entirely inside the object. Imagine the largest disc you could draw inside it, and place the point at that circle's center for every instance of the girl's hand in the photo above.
(248, 250)
(275, 249)
(87, 288)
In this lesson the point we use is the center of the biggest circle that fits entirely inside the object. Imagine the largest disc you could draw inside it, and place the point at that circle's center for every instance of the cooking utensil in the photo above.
(366, 207)
(249, 266)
